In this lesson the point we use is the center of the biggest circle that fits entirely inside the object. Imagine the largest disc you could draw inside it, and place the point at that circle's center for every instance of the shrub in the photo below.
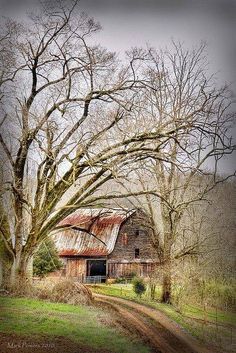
(126, 279)
(22, 289)
(139, 286)
(219, 293)
(120, 280)
(132, 275)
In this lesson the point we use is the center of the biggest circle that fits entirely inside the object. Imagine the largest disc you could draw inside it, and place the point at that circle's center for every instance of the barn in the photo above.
(105, 243)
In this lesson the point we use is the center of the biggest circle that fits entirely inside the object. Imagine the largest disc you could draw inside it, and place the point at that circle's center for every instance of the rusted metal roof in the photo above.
(90, 232)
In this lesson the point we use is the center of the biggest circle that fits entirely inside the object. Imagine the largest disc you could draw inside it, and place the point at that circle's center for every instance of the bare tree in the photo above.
(180, 89)
(64, 99)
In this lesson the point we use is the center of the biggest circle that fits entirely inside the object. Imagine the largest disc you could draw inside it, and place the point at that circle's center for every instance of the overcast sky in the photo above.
(136, 22)
(129, 23)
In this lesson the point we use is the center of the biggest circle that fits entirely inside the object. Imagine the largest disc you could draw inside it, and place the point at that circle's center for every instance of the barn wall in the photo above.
(122, 262)
(116, 270)
(132, 235)
(128, 240)
(75, 267)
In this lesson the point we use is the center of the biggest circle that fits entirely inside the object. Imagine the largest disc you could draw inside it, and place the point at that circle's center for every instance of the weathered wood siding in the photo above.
(133, 238)
(133, 235)
(75, 267)
(122, 262)
(116, 269)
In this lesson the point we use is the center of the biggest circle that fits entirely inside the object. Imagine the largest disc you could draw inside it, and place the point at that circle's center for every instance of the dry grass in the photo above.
(54, 290)
(71, 292)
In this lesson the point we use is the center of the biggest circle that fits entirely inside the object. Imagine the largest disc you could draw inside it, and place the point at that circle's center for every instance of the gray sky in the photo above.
(136, 22)
(128, 23)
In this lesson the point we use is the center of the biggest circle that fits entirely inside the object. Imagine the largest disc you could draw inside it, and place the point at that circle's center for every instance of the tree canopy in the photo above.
(74, 117)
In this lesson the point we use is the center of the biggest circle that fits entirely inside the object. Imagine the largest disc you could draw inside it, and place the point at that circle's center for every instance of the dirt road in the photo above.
(162, 334)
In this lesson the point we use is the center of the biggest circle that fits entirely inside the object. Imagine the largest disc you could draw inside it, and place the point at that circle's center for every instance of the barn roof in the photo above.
(90, 232)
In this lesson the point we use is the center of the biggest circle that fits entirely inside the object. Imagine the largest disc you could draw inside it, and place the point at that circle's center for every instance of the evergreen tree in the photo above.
(46, 259)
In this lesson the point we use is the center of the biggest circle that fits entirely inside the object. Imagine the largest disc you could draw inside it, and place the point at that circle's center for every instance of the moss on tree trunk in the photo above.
(6, 261)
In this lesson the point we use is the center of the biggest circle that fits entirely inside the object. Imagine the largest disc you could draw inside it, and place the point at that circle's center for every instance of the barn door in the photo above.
(96, 268)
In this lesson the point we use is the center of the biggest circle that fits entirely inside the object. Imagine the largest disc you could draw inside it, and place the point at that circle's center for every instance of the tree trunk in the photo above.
(152, 291)
(21, 276)
(6, 261)
(167, 278)
(166, 284)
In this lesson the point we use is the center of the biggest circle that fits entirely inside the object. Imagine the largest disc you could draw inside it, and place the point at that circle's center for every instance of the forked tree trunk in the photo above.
(19, 277)
(21, 273)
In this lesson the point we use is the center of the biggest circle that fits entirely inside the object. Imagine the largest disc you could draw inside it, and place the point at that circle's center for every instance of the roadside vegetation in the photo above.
(205, 322)
(88, 326)
(139, 286)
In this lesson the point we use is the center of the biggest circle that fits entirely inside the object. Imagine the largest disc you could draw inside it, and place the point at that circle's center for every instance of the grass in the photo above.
(192, 318)
(223, 317)
(89, 326)
(116, 290)
(192, 311)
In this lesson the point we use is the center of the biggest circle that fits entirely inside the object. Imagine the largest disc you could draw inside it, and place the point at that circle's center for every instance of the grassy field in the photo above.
(126, 291)
(207, 325)
(88, 326)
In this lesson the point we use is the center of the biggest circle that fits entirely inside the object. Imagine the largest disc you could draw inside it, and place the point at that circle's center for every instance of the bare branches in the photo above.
(6, 150)
(80, 119)
(181, 99)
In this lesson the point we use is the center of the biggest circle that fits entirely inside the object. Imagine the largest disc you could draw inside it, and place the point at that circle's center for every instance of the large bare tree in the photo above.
(63, 101)
(181, 89)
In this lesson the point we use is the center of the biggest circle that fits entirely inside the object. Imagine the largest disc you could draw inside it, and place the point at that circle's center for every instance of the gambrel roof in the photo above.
(90, 232)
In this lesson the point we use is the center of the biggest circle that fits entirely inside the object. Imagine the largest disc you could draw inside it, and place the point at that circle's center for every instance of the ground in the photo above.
(30, 325)
(214, 329)
(17, 343)
(161, 333)
(120, 324)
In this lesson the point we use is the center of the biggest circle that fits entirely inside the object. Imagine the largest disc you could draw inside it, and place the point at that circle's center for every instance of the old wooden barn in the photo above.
(105, 243)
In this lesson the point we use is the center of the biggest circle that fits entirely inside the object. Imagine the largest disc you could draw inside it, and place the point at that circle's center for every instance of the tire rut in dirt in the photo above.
(159, 339)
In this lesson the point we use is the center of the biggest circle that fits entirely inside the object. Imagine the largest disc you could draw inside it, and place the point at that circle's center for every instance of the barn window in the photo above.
(136, 253)
(124, 239)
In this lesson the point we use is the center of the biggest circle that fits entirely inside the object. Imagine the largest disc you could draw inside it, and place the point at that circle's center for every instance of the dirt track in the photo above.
(163, 335)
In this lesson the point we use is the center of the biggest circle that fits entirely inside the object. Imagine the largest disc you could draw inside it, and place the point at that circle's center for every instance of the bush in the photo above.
(132, 275)
(71, 292)
(126, 279)
(120, 280)
(220, 293)
(139, 286)
(22, 289)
